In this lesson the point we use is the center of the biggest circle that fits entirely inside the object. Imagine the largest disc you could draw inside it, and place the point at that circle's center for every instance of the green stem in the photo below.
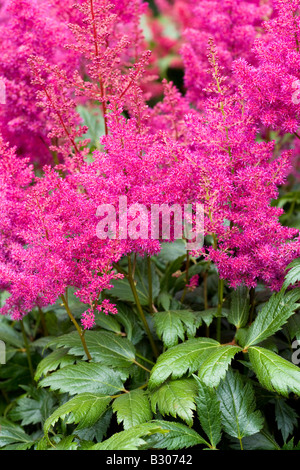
(297, 135)
(5, 396)
(119, 269)
(80, 331)
(43, 322)
(205, 296)
(205, 290)
(133, 266)
(143, 386)
(139, 307)
(252, 305)
(186, 276)
(150, 285)
(145, 359)
(27, 350)
(219, 311)
(143, 367)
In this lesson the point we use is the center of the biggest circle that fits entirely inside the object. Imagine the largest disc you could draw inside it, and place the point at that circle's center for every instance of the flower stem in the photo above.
(252, 304)
(150, 285)
(43, 322)
(205, 296)
(219, 311)
(27, 350)
(143, 367)
(186, 276)
(102, 91)
(80, 331)
(139, 307)
(144, 359)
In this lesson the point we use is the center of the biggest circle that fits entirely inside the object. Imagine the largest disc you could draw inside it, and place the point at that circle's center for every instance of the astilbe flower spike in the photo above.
(270, 85)
(234, 25)
(40, 28)
(238, 184)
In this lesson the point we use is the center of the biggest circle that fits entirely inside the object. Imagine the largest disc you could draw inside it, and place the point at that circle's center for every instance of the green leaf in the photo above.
(93, 119)
(108, 322)
(176, 398)
(86, 377)
(275, 373)
(237, 405)
(42, 444)
(208, 409)
(241, 336)
(206, 315)
(122, 289)
(131, 439)
(240, 305)
(131, 322)
(42, 343)
(104, 347)
(173, 324)
(132, 408)
(57, 358)
(172, 251)
(164, 300)
(85, 409)
(10, 336)
(33, 410)
(180, 359)
(286, 418)
(13, 437)
(272, 317)
(293, 275)
(293, 326)
(291, 446)
(14, 373)
(179, 436)
(168, 281)
(86, 444)
(65, 444)
(259, 441)
(98, 430)
(214, 367)
(59, 442)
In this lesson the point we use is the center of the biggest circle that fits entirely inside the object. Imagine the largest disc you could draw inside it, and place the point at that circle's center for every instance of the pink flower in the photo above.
(193, 283)
(88, 319)
(173, 153)
(107, 307)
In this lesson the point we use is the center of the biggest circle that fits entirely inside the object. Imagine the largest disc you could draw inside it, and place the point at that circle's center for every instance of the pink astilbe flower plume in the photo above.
(60, 247)
(271, 86)
(238, 179)
(31, 27)
(233, 25)
(193, 283)
(54, 95)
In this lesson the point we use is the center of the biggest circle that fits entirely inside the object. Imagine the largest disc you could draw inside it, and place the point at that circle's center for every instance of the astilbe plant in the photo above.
(241, 182)
(147, 301)
(55, 204)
